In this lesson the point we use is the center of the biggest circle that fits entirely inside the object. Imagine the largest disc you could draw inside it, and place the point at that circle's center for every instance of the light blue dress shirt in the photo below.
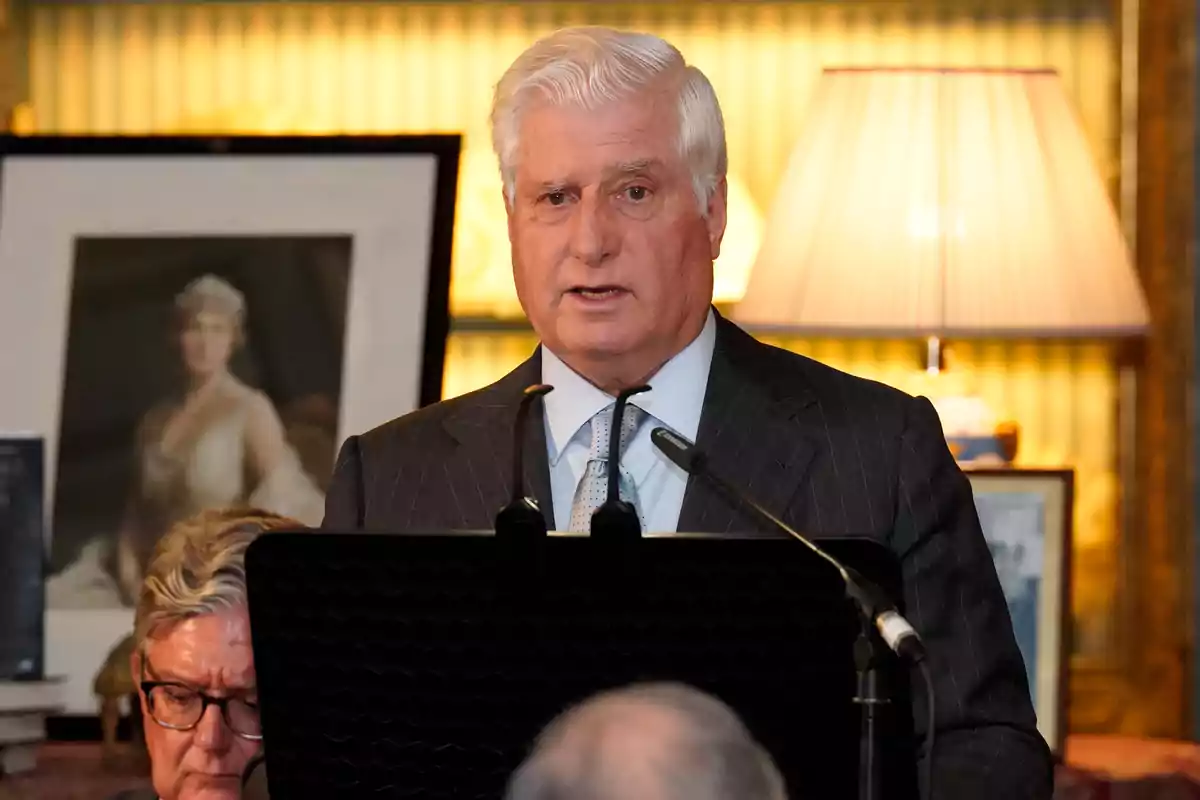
(675, 401)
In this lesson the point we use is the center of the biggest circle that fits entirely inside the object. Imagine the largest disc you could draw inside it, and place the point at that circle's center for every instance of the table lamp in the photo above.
(938, 203)
(942, 203)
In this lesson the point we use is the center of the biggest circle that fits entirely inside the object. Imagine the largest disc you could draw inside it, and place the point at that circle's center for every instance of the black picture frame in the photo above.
(445, 149)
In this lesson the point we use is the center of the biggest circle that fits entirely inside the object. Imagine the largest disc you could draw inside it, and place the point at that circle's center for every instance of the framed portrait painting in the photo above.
(195, 323)
(1026, 518)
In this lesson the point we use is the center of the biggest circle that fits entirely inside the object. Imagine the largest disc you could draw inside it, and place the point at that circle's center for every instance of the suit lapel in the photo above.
(751, 428)
(751, 433)
(483, 428)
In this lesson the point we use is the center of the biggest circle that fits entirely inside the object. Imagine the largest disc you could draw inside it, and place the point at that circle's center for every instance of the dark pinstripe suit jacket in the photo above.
(831, 454)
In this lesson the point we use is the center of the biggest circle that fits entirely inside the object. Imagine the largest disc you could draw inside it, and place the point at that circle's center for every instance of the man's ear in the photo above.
(717, 216)
(135, 670)
(509, 212)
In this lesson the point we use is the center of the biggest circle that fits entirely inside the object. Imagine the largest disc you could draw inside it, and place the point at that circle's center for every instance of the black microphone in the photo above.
(617, 519)
(521, 518)
(872, 603)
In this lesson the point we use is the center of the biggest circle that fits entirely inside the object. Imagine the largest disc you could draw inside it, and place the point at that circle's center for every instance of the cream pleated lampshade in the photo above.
(948, 203)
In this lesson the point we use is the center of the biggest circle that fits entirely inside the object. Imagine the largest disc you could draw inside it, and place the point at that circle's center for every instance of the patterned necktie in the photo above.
(592, 490)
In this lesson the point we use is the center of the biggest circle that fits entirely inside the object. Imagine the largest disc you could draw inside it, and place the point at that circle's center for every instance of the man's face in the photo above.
(612, 256)
(212, 654)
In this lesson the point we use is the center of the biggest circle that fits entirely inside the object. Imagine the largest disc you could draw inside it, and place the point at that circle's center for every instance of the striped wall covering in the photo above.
(421, 67)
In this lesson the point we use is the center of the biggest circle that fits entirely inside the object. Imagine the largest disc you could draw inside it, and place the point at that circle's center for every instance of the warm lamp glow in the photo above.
(946, 203)
(246, 120)
(743, 234)
(481, 279)
(22, 121)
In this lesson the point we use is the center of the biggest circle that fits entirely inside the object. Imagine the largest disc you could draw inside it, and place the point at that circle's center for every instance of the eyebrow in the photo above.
(157, 677)
(619, 170)
(637, 167)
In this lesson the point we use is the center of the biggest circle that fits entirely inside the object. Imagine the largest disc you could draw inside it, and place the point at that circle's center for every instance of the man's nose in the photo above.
(211, 731)
(592, 239)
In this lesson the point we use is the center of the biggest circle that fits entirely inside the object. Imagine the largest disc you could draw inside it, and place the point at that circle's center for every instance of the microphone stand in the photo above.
(881, 626)
(617, 520)
(521, 519)
(871, 696)
(872, 693)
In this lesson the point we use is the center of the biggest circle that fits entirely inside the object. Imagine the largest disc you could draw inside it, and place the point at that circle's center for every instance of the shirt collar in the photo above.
(675, 400)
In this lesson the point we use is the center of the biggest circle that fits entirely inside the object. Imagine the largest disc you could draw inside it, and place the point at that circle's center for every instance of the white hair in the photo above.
(588, 67)
(211, 292)
(715, 757)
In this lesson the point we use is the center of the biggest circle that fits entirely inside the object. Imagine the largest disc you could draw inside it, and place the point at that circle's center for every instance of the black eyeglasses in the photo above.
(180, 708)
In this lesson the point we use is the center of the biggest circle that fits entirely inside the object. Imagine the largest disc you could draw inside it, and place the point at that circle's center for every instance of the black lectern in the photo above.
(425, 665)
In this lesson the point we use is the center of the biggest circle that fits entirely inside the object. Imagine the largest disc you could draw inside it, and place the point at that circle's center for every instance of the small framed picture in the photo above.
(194, 323)
(1026, 519)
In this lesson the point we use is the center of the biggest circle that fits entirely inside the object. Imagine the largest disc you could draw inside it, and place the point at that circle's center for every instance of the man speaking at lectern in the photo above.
(612, 151)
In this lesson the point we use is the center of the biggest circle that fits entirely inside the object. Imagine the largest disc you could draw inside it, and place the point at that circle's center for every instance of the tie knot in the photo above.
(631, 419)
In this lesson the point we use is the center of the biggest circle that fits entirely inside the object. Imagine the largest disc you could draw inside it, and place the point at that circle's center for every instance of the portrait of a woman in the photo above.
(215, 442)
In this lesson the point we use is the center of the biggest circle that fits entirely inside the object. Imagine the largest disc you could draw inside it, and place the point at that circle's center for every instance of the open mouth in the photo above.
(597, 292)
(215, 777)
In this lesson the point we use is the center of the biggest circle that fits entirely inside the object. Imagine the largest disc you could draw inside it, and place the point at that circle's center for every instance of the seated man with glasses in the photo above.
(193, 658)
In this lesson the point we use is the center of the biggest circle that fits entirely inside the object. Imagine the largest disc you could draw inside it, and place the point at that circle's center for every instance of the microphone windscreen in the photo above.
(681, 452)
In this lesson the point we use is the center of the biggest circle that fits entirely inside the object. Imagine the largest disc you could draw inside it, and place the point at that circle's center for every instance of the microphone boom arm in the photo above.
(870, 600)
(874, 608)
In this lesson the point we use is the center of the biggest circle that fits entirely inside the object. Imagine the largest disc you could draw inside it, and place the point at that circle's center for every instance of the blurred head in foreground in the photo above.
(652, 742)
(193, 660)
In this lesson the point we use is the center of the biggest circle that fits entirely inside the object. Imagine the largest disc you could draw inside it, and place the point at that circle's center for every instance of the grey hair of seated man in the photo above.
(659, 741)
